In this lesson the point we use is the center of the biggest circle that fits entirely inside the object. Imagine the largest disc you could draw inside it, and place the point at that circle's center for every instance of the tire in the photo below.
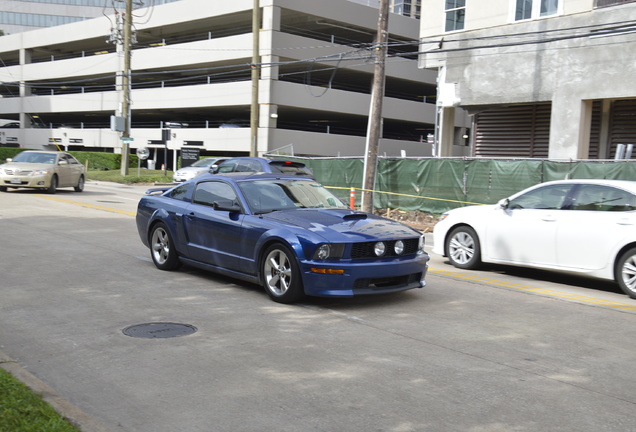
(162, 250)
(281, 275)
(80, 184)
(463, 249)
(626, 272)
(53, 185)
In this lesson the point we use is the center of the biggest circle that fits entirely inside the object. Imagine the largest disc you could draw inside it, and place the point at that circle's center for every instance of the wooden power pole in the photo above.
(125, 138)
(374, 128)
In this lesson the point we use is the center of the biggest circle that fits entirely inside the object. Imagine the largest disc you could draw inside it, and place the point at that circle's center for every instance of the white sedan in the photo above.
(586, 227)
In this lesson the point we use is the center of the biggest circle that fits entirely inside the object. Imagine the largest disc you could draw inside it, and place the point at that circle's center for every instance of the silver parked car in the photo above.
(47, 170)
(196, 169)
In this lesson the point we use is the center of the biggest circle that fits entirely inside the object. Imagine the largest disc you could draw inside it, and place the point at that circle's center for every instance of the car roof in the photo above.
(625, 184)
(250, 176)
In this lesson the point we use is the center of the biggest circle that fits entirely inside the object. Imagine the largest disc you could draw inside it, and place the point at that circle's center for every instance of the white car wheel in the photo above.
(462, 248)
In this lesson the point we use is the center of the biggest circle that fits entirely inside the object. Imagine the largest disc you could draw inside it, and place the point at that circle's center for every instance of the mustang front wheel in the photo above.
(281, 276)
(162, 248)
(626, 273)
(462, 248)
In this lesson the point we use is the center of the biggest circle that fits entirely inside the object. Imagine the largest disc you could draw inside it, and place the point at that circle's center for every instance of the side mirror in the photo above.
(62, 162)
(213, 169)
(226, 205)
(9, 160)
(504, 203)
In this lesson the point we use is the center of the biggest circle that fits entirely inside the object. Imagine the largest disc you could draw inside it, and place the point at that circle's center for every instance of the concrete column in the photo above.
(570, 125)
(604, 145)
(446, 131)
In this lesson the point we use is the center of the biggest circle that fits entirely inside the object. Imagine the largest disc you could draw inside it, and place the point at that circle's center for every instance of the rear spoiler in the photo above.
(155, 191)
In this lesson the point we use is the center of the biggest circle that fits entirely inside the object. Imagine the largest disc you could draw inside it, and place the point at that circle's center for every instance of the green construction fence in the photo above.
(435, 185)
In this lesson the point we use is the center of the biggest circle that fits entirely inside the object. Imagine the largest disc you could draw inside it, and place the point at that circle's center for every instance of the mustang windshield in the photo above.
(271, 195)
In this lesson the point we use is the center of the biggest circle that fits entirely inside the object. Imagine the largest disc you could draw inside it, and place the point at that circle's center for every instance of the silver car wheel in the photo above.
(461, 248)
(160, 246)
(626, 273)
(281, 275)
(278, 272)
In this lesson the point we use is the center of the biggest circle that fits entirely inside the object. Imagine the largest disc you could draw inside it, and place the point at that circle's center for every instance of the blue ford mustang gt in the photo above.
(287, 233)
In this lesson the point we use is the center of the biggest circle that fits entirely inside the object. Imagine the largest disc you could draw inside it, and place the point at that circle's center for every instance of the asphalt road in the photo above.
(495, 350)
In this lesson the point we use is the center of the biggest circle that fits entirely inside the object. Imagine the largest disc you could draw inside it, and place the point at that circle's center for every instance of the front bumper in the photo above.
(364, 277)
(34, 181)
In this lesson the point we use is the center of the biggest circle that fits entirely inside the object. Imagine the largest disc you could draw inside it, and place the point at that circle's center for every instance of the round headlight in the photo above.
(323, 252)
(379, 248)
(398, 247)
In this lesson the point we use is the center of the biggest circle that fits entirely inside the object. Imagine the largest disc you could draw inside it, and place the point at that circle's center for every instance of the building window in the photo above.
(605, 3)
(455, 14)
(529, 9)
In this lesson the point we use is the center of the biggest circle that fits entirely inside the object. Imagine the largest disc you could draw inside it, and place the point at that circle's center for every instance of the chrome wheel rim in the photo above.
(278, 272)
(461, 248)
(628, 273)
(160, 245)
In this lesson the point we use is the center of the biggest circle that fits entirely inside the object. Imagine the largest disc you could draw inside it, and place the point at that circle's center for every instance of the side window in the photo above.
(180, 192)
(455, 11)
(208, 192)
(226, 167)
(550, 197)
(248, 166)
(603, 198)
(70, 159)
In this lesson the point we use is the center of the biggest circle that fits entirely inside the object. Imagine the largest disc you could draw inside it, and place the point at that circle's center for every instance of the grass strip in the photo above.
(21, 410)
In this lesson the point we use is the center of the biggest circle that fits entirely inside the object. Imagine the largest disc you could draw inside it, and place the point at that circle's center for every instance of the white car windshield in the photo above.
(33, 157)
(271, 195)
(203, 163)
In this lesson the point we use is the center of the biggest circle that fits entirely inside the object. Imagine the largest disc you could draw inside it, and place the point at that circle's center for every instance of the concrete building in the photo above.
(23, 15)
(191, 73)
(542, 78)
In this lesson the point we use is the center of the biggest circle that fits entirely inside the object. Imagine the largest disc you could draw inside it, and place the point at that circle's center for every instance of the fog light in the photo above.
(398, 247)
(379, 248)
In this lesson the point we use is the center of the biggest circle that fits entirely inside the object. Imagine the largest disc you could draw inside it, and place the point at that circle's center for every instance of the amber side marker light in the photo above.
(326, 270)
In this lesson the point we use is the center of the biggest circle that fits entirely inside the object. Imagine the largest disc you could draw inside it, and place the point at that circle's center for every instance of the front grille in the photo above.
(387, 282)
(21, 172)
(365, 250)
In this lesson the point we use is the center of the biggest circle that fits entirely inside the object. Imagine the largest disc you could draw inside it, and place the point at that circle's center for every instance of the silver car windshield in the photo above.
(33, 157)
(272, 195)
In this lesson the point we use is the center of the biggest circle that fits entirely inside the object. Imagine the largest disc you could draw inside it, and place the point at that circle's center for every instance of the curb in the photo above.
(70, 412)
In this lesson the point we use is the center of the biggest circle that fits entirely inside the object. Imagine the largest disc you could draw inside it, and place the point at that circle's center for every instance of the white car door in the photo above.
(600, 220)
(525, 232)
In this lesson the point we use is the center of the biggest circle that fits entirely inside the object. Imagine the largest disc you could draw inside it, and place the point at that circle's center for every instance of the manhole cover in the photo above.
(159, 330)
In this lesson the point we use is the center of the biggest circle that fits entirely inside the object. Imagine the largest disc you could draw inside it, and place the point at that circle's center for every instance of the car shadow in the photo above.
(551, 276)
(363, 301)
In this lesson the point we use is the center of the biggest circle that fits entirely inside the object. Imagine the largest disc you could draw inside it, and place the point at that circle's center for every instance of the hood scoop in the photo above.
(354, 216)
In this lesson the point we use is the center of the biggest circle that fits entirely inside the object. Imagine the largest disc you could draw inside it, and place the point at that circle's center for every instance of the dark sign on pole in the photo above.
(189, 156)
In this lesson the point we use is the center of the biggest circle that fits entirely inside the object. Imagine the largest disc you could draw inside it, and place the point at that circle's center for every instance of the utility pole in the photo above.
(374, 128)
(125, 139)
(254, 112)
